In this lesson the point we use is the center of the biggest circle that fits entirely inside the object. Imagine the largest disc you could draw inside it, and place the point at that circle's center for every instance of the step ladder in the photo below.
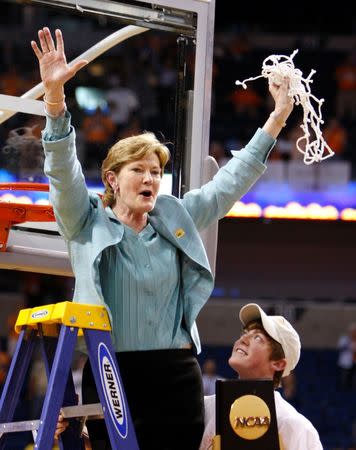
(57, 327)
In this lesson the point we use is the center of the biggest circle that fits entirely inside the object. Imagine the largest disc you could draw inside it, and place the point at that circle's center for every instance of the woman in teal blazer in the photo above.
(141, 255)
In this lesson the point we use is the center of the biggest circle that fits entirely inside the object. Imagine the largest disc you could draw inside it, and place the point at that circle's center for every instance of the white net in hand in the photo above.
(312, 144)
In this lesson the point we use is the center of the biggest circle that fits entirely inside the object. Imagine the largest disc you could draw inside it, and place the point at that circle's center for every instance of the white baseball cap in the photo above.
(279, 329)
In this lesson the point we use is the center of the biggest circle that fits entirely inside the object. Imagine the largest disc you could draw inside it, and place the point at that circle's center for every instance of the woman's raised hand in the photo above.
(283, 102)
(283, 106)
(54, 69)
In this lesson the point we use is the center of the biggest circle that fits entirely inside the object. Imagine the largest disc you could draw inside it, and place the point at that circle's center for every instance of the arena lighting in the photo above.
(292, 210)
(348, 214)
(241, 209)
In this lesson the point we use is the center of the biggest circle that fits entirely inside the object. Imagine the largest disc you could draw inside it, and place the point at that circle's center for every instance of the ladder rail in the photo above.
(56, 387)
(16, 374)
(71, 437)
(15, 378)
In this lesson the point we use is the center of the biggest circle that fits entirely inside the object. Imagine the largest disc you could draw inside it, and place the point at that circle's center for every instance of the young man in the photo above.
(269, 348)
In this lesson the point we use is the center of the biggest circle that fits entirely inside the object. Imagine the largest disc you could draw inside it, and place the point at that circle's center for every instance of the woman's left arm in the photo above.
(213, 200)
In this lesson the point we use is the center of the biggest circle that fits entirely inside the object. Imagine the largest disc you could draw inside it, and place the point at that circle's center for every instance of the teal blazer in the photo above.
(88, 227)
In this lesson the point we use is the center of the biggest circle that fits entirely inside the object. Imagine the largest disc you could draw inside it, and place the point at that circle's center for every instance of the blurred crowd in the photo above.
(132, 88)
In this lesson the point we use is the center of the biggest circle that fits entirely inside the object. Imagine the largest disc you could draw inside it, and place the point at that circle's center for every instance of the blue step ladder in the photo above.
(57, 328)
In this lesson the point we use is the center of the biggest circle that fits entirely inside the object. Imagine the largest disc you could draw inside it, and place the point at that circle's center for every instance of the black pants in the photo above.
(165, 397)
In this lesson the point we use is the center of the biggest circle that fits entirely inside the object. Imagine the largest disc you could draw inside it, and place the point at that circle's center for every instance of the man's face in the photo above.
(250, 356)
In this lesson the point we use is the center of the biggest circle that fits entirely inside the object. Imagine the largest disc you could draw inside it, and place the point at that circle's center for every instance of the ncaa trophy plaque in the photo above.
(246, 415)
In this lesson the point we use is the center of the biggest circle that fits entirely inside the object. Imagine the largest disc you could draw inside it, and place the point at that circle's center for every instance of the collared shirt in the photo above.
(143, 291)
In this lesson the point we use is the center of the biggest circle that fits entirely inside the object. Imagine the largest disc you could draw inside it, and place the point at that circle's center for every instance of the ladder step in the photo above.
(13, 427)
(90, 412)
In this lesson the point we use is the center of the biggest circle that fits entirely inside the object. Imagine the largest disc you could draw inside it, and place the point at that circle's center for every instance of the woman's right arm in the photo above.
(68, 192)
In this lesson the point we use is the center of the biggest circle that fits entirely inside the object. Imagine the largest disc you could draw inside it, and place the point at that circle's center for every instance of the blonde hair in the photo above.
(128, 150)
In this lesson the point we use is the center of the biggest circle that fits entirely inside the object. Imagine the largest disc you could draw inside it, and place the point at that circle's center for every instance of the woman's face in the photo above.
(138, 183)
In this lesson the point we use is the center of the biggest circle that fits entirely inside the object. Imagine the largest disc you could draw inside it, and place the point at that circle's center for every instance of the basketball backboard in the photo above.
(37, 247)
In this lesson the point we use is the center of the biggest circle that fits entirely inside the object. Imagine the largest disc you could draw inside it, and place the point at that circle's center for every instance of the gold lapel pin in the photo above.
(179, 233)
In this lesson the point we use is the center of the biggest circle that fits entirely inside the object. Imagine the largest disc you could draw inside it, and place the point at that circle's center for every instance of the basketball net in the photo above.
(312, 143)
